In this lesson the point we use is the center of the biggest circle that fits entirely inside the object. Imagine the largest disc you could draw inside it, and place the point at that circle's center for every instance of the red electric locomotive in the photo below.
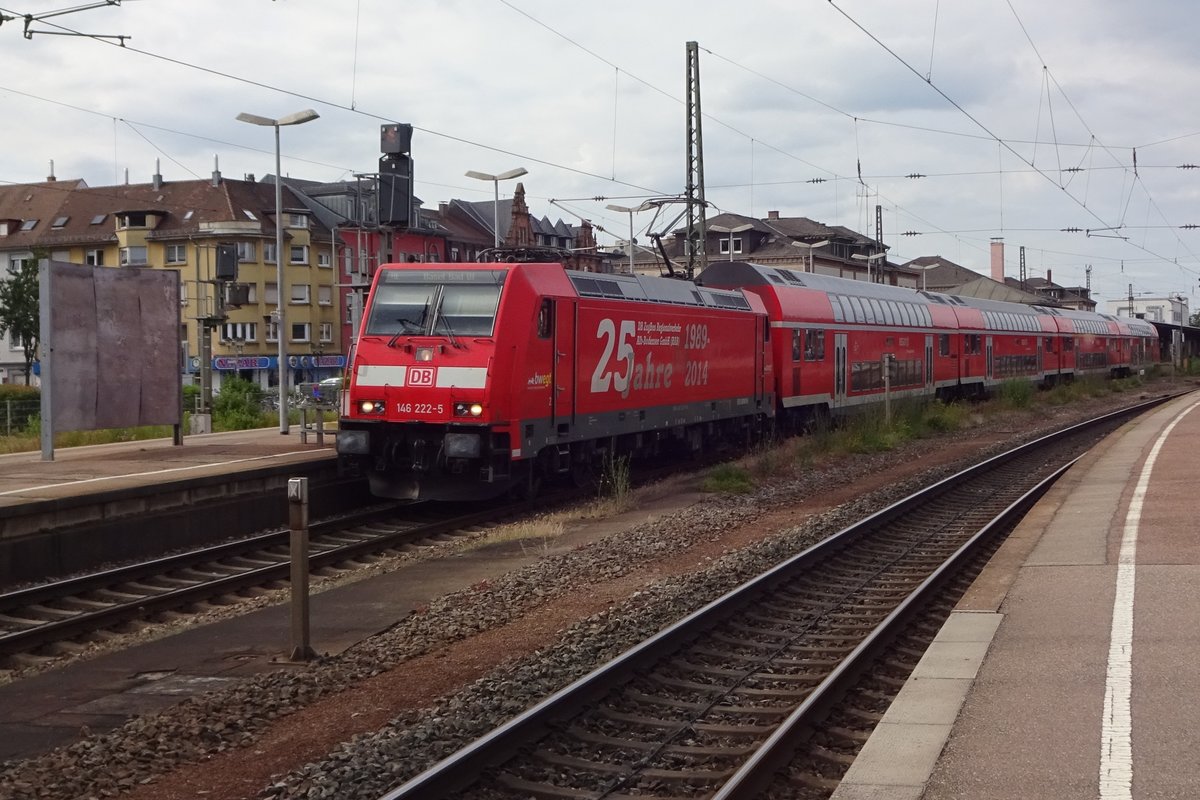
(472, 379)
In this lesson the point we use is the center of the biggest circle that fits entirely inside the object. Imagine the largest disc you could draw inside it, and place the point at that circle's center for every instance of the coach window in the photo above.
(944, 344)
(796, 345)
(1049, 344)
(545, 318)
(814, 345)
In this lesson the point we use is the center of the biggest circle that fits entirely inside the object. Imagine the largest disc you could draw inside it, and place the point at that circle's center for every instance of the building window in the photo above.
(133, 220)
(300, 332)
(271, 294)
(29, 224)
(323, 260)
(737, 245)
(94, 257)
(249, 215)
(59, 223)
(326, 332)
(183, 293)
(454, 254)
(324, 295)
(269, 252)
(245, 251)
(297, 221)
(299, 254)
(272, 330)
(177, 254)
(240, 331)
(96, 220)
(299, 294)
(133, 256)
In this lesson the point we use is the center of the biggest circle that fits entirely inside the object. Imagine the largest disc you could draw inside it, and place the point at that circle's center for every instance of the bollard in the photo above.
(298, 522)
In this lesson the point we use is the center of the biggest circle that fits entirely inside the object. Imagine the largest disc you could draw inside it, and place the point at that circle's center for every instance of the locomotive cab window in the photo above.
(545, 318)
(435, 302)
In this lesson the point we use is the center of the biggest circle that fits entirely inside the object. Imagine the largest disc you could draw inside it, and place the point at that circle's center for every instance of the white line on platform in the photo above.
(1116, 734)
(152, 472)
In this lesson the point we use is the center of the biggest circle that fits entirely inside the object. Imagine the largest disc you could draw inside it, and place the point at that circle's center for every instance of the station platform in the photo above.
(26, 478)
(95, 504)
(1069, 668)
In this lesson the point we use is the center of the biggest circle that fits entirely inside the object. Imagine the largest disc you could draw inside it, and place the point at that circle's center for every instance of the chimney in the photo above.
(1048, 280)
(249, 176)
(127, 176)
(157, 179)
(998, 260)
(216, 174)
(50, 178)
(772, 215)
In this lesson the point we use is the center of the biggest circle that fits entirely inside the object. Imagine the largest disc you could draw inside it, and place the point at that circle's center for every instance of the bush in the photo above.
(238, 406)
(19, 405)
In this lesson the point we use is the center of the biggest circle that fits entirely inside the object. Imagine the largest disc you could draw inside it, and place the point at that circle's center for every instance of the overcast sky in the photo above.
(1024, 115)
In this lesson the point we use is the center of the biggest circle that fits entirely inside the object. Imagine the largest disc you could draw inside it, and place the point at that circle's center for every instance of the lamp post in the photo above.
(868, 259)
(809, 265)
(297, 118)
(495, 179)
(925, 271)
(731, 232)
(630, 212)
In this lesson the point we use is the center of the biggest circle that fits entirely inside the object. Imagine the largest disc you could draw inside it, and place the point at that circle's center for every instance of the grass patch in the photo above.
(532, 535)
(728, 479)
(1015, 394)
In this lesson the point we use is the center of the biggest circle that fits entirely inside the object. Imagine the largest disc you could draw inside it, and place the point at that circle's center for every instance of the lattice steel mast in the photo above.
(694, 196)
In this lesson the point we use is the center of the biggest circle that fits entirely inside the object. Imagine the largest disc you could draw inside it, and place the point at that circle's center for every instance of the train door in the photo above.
(929, 360)
(563, 378)
(760, 354)
(839, 369)
(987, 364)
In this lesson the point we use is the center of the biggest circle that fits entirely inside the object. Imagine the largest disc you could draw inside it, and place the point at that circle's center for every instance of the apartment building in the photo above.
(178, 226)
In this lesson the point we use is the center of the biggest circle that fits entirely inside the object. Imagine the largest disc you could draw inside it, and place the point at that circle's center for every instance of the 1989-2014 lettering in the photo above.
(631, 372)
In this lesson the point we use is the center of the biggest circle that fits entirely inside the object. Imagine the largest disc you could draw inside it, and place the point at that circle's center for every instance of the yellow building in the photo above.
(180, 226)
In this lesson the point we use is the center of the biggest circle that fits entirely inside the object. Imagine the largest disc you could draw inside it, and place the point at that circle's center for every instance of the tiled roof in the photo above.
(42, 202)
(182, 206)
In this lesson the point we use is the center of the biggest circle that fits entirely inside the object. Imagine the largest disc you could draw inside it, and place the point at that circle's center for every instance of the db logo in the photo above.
(420, 376)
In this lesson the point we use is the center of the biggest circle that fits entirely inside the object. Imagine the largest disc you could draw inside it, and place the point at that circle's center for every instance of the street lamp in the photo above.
(299, 117)
(495, 179)
(809, 265)
(868, 259)
(630, 212)
(731, 232)
(925, 271)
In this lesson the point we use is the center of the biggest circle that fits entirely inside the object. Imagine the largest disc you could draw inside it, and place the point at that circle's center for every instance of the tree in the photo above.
(1195, 320)
(19, 313)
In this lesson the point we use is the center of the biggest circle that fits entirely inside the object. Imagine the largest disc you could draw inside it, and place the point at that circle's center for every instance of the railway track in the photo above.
(771, 689)
(66, 610)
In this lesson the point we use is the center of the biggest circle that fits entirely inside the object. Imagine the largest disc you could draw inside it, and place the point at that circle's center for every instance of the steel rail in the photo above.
(459, 770)
(169, 599)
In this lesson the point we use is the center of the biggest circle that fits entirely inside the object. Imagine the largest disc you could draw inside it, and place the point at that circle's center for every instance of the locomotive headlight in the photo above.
(371, 406)
(424, 354)
(468, 409)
